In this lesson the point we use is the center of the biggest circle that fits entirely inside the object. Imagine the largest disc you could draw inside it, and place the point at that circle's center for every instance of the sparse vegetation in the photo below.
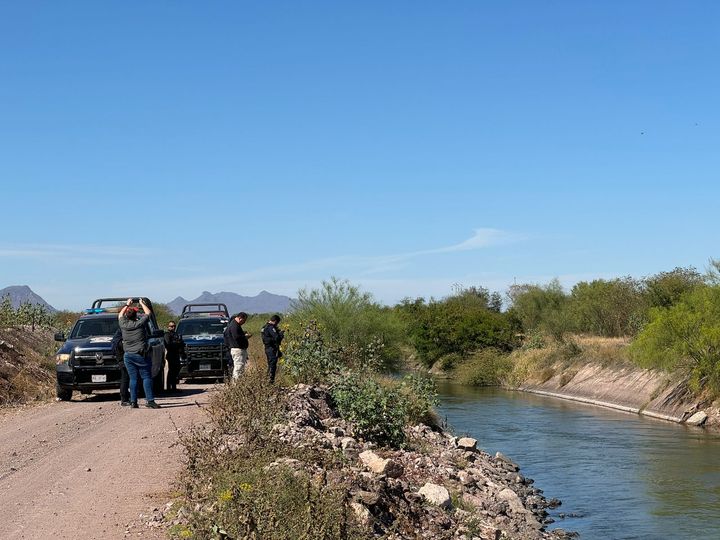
(240, 482)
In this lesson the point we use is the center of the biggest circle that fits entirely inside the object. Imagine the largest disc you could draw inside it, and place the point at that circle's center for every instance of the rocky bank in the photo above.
(439, 486)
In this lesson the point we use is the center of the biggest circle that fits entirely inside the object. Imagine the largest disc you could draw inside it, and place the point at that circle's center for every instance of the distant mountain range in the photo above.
(22, 293)
(264, 302)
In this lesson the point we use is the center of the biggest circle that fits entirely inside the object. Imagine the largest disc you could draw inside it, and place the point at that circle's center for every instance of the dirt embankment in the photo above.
(626, 387)
(26, 368)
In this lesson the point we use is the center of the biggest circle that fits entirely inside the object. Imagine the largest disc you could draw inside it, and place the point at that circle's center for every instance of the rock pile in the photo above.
(440, 486)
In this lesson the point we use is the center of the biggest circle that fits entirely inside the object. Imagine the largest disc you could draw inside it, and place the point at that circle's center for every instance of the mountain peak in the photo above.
(20, 294)
(264, 302)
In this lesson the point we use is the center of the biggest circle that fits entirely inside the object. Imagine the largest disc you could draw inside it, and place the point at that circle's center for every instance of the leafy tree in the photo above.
(685, 336)
(459, 324)
(666, 288)
(609, 308)
(7, 313)
(163, 314)
(541, 307)
(351, 319)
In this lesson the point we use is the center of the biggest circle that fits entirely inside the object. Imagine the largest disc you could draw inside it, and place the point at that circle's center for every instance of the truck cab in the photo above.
(201, 327)
(86, 362)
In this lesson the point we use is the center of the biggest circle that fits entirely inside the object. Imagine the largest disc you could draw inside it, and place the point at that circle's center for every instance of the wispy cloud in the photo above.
(344, 264)
(69, 253)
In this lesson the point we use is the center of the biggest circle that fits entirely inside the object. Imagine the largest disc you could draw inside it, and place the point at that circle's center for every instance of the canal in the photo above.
(618, 475)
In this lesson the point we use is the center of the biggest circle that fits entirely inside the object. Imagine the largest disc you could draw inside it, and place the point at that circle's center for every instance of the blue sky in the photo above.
(166, 148)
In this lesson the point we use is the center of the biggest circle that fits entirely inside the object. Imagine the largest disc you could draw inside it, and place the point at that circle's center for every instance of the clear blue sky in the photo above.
(167, 148)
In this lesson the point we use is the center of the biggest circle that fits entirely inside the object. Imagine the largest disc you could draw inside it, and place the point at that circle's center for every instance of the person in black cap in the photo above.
(272, 336)
(117, 348)
(236, 339)
(174, 351)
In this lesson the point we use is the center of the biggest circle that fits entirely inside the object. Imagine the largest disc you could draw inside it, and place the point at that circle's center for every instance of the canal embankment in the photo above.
(627, 388)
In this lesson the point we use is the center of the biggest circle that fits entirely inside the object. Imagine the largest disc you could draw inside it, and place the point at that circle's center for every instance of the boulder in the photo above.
(362, 514)
(513, 500)
(436, 495)
(467, 443)
(378, 465)
(697, 419)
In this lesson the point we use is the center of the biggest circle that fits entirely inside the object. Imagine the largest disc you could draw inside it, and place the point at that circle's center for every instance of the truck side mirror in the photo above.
(60, 336)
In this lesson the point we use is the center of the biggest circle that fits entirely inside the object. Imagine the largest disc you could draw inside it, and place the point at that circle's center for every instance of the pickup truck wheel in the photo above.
(63, 394)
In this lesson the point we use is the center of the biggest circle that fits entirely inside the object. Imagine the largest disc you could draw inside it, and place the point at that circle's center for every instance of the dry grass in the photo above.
(539, 365)
(26, 369)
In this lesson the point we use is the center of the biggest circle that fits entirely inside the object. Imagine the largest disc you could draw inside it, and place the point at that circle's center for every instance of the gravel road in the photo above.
(87, 469)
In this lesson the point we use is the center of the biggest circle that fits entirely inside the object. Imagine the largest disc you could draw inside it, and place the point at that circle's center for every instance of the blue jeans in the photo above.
(135, 364)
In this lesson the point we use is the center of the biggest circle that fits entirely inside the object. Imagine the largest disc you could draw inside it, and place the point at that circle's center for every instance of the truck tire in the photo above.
(63, 394)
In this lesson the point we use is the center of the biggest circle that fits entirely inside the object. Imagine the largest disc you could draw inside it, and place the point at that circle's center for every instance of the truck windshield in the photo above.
(196, 327)
(85, 328)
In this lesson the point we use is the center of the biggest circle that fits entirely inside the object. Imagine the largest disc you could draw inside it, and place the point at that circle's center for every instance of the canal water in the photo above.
(618, 475)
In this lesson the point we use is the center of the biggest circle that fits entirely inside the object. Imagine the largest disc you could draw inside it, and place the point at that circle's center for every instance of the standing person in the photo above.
(119, 352)
(236, 339)
(137, 360)
(174, 351)
(272, 336)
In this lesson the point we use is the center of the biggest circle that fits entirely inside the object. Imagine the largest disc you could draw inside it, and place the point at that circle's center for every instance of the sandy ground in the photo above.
(88, 468)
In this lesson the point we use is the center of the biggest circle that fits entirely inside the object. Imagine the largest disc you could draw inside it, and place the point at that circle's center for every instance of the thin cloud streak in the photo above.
(358, 265)
(70, 253)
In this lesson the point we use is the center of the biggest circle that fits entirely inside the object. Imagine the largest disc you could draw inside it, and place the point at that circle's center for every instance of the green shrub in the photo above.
(420, 394)
(685, 336)
(610, 308)
(456, 325)
(541, 308)
(665, 289)
(351, 320)
(378, 412)
(450, 361)
(487, 367)
(307, 358)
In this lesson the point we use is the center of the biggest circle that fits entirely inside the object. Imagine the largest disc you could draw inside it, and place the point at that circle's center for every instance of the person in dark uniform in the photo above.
(174, 351)
(272, 336)
(119, 352)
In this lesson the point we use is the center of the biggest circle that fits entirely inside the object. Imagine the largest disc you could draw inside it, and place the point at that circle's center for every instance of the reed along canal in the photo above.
(618, 475)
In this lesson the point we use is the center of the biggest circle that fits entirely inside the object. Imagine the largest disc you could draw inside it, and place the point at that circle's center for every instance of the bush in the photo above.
(611, 308)
(685, 336)
(488, 367)
(307, 358)
(421, 397)
(380, 410)
(379, 413)
(665, 289)
(350, 320)
(457, 325)
(541, 308)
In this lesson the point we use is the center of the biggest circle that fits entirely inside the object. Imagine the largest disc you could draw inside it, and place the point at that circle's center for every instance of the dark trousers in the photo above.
(272, 354)
(124, 382)
(173, 373)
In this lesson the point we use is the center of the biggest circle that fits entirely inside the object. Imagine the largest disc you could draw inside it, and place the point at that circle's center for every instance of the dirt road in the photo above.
(87, 469)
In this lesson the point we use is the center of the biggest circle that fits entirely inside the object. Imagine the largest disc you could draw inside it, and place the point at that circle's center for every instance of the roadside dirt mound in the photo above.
(26, 367)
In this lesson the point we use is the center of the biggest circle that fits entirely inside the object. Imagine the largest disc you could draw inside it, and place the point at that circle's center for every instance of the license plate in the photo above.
(205, 367)
(99, 378)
